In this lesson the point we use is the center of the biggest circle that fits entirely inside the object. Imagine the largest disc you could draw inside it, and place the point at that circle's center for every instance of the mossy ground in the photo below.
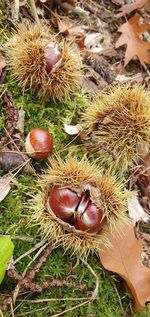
(15, 215)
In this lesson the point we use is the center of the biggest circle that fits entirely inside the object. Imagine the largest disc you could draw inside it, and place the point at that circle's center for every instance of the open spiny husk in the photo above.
(27, 61)
(117, 124)
(105, 192)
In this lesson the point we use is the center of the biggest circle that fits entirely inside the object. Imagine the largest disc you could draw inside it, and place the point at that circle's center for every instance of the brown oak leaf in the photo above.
(131, 31)
(128, 8)
(124, 258)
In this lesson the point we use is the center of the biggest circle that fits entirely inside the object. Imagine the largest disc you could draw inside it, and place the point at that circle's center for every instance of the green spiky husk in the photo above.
(117, 124)
(105, 192)
(27, 61)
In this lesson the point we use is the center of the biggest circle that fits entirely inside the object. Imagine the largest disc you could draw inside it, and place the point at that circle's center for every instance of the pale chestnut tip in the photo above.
(53, 57)
(39, 143)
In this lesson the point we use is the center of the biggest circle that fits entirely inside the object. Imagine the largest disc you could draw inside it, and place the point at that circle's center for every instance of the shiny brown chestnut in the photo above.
(76, 210)
(53, 56)
(39, 143)
(63, 202)
(90, 220)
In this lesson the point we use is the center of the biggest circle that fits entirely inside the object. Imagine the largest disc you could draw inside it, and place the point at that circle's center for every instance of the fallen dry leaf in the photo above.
(21, 119)
(137, 78)
(2, 63)
(4, 186)
(130, 36)
(67, 27)
(92, 40)
(124, 258)
(128, 8)
(136, 212)
(72, 129)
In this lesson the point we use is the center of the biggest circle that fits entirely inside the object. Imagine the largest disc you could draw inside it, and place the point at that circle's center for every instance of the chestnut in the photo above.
(39, 143)
(63, 202)
(90, 220)
(79, 211)
(53, 56)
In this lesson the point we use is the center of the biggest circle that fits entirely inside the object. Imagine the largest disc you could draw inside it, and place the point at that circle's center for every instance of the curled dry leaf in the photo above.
(72, 129)
(4, 186)
(128, 8)
(136, 212)
(131, 31)
(124, 258)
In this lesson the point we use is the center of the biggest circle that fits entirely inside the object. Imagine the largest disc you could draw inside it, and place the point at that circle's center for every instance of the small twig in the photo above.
(43, 259)
(76, 10)
(20, 238)
(11, 178)
(70, 309)
(1, 313)
(47, 300)
(95, 292)
(146, 69)
(37, 246)
(17, 288)
(15, 11)
(119, 299)
(34, 11)
(12, 309)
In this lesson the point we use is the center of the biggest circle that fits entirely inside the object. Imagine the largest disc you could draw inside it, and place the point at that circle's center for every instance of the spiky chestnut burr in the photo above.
(87, 185)
(116, 124)
(41, 63)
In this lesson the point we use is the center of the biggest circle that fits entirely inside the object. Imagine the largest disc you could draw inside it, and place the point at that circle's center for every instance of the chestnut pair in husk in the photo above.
(78, 211)
(74, 203)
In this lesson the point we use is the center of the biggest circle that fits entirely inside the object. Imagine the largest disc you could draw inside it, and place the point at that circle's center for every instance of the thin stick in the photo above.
(37, 246)
(95, 293)
(1, 313)
(16, 291)
(35, 257)
(11, 178)
(119, 298)
(15, 13)
(12, 309)
(70, 309)
(27, 239)
(34, 11)
(47, 300)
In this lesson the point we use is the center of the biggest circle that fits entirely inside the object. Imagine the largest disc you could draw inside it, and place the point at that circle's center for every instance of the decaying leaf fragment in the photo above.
(136, 212)
(128, 8)
(4, 186)
(131, 30)
(124, 258)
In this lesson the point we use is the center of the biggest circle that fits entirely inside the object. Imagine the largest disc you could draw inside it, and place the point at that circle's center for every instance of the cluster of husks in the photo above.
(74, 202)
(43, 64)
(116, 125)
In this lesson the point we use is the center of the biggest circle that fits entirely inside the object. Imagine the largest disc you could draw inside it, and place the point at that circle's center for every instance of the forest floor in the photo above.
(15, 213)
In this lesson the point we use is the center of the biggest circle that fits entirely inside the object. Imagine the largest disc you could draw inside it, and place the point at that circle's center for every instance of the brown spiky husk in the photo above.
(105, 192)
(27, 61)
(117, 124)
